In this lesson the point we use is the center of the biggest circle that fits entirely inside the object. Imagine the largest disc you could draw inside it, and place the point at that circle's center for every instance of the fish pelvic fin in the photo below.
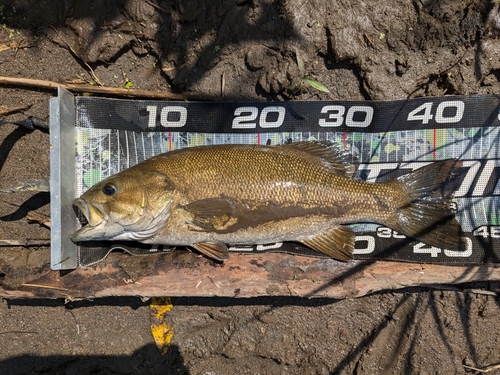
(427, 215)
(338, 243)
(213, 250)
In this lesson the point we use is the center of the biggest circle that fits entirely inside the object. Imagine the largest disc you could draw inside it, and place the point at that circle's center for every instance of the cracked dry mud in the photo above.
(359, 50)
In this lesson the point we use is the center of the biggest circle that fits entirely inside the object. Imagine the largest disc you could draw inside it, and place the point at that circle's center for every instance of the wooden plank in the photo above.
(242, 275)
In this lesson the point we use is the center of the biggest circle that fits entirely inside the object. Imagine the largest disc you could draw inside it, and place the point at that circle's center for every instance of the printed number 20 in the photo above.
(246, 117)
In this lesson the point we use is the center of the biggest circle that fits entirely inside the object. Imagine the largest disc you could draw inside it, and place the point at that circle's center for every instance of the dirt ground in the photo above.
(359, 50)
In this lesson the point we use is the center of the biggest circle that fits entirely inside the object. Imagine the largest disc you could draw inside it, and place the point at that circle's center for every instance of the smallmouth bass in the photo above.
(209, 197)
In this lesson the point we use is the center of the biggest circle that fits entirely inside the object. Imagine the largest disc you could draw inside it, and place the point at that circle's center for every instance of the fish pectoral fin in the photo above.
(211, 213)
(337, 243)
(214, 250)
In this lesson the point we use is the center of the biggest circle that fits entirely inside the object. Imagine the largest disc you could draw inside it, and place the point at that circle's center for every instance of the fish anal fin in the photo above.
(213, 250)
(338, 243)
(330, 153)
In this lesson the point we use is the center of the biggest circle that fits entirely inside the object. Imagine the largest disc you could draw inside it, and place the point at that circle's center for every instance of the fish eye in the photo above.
(109, 190)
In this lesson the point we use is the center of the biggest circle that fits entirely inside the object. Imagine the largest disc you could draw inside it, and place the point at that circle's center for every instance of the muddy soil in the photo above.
(359, 50)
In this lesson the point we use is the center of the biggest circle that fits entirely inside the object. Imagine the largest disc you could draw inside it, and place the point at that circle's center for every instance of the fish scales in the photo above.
(285, 176)
(210, 196)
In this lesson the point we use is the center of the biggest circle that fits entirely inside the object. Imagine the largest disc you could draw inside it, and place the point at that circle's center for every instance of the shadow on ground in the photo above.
(146, 360)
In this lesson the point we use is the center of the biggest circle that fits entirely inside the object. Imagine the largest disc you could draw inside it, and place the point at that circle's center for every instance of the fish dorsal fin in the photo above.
(213, 250)
(331, 154)
(338, 243)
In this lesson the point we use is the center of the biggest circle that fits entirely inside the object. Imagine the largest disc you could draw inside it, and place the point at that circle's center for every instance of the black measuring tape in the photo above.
(384, 138)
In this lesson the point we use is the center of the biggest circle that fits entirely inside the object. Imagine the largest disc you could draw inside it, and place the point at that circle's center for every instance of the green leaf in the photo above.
(293, 86)
(129, 85)
(92, 177)
(317, 85)
(300, 63)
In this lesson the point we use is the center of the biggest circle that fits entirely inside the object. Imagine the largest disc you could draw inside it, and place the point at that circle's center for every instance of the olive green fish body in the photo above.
(211, 196)
(273, 181)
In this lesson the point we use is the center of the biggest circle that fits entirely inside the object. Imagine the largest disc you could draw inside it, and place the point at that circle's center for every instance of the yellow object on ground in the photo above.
(161, 331)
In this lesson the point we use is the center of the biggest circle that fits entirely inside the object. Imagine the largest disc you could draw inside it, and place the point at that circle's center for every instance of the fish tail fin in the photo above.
(426, 215)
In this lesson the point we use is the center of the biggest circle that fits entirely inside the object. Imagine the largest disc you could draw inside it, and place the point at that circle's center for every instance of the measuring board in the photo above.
(94, 138)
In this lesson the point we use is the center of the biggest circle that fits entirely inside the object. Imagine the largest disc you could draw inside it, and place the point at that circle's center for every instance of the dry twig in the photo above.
(486, 369)
(223, 85)
(131, 93)
(43, 286)
(15, 45)
(39, 218)
(157, 7)
(92, 74)
(32, 184)
(4, 111)
(25, 243)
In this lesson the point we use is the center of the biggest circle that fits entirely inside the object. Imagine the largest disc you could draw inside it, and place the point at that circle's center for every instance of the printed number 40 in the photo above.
(421, 248)
(424, 112)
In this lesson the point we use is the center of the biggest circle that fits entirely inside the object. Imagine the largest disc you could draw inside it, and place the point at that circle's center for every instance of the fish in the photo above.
(210, 197)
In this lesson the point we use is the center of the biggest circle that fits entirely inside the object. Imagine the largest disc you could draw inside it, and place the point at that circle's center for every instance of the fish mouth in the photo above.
(93, 221)
(97, 225)
(87, 213)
